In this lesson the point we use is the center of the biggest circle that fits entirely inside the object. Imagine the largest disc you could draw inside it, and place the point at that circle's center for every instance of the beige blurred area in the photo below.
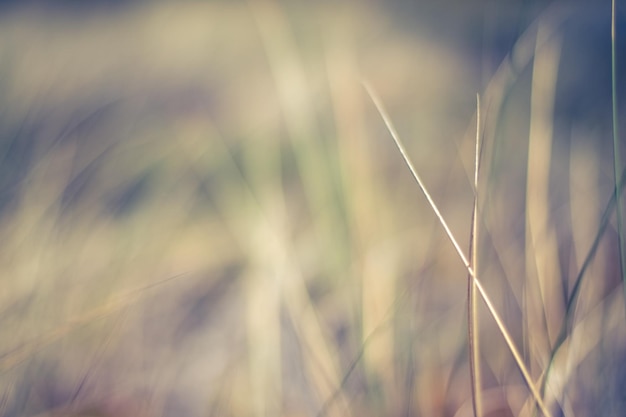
(203, 214)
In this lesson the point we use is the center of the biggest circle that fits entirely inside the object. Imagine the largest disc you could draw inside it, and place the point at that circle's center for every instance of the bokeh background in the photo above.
(203, 214)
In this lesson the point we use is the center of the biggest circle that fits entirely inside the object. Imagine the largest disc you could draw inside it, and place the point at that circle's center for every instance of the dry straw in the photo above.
(505, 333)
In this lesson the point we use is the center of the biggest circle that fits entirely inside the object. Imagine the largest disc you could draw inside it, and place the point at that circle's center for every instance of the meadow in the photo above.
(203, 211)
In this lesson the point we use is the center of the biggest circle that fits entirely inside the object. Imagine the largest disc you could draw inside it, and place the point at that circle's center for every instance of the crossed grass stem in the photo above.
(502, 328)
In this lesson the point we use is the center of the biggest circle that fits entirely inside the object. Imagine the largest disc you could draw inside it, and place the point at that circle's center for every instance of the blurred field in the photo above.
(203, 214)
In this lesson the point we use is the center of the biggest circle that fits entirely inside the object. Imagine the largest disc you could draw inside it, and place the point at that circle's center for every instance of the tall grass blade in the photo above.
(507, 337)
(472, 313)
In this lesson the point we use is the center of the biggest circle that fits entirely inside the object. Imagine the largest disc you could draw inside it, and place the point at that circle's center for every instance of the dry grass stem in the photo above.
(472, 313)
(485, 297)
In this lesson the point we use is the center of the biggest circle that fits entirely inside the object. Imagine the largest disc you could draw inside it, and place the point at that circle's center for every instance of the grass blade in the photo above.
(472, 313)
(507, 337)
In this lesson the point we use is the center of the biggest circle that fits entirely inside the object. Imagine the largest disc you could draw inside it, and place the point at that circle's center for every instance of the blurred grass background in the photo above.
(202, 213)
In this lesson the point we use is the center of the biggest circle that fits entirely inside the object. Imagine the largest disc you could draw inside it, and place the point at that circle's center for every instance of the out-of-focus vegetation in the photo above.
(203, 214)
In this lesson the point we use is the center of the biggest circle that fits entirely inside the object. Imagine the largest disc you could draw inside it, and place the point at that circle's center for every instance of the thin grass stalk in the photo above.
(616, 150)
(507, 337)
(472, 313)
